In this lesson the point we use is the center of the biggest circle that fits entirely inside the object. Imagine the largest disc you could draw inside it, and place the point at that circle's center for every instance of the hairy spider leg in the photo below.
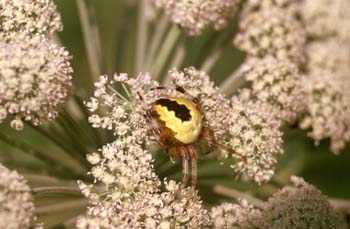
(208, 135)
(153, 125)
(185, 167)
(193, 154)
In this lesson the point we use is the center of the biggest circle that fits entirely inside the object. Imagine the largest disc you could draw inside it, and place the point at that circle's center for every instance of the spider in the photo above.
(177, 125)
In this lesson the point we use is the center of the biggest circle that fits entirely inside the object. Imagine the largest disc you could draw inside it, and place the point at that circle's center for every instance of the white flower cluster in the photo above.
(278, 84)
(327, 69)
(197, 15)
(35, 76)
(147, 210)
(227, 215)
(126, 165)
(35, 73)
(271, 31)
(16, 200)
(255, 134)
(132, 197)
(301, 206)
(274, 39)
(325, 18)
(328, 110)
(20, 18)
(121, 113)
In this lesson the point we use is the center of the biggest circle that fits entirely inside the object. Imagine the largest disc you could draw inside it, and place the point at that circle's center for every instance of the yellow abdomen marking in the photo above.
(180, 116)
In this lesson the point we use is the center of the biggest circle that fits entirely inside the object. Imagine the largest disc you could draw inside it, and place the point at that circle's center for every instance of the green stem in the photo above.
(58, 130)
(211, 60)
(60, 207)
(56, 190)
(74, 136)
(36, 180)
(341, 204)
(232, 83)
(156, 40)
(123, 33)
(176, 62)
(235, 194)
(216, 41)
(53, 138)
(165, 51)
(141, 37)
(54, 166)
(78, 128)
(91, 37)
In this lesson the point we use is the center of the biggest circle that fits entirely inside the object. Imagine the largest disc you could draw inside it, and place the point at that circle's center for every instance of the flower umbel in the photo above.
(300, 206)
(16, 200)
(198, 15)
(35, 77)
(255, 134)
(146, 210)
(126, 165)
(271, 32)
(229, 215)
(277, 83)
(20, 18)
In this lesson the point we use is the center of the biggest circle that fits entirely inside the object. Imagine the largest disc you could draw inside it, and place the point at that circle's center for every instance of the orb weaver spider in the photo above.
(176, 123)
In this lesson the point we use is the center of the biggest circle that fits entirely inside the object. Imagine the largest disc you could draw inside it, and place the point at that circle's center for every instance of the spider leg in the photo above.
(185, 168)
(193, 155)
(208, 135)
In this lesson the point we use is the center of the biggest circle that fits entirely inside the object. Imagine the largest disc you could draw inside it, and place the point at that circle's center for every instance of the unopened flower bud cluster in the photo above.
(274, 40)
(301, 206)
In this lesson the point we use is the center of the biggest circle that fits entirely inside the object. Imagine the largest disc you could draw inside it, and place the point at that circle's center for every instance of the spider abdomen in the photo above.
(181, 117)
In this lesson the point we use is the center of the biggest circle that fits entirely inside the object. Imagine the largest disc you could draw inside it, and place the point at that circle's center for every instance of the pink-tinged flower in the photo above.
(20, 18)
(196, 16)
(273, 32)
(277, 83)
(16, 200)
(35, 77)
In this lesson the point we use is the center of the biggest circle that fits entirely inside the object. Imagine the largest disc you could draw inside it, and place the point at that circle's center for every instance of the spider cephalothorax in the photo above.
(176, 123)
